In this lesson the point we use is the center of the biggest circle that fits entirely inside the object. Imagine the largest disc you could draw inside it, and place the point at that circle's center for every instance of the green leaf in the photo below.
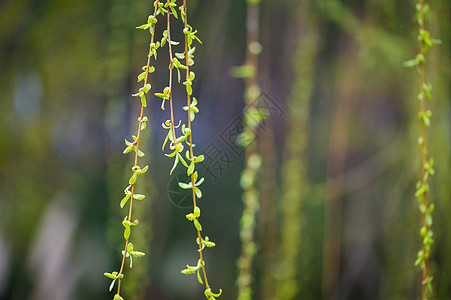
(199, 278)
(197, 211)
(185, 186)
(132, 179)
(209, 244)
(197, 225)
(188, 270)
(140, 153)
(195, 175)
(141, 76)
(124, 200)
(144, 26)
(139, 94)
(429, 220)
(427, 90)
(182, 13)
(117, 297)
(146, 88)
(128, 149)
(198, 192)
(143, 124)
(127, 232)
(111, 275)
(137, 254)
(190, 168)
(144, 170)
(218, 294)
(419, 59)
(191, 217)
(176, 162)
(420, 258)
(189, 89)
(210, 295)
(112, 285)
(199, 182)
(139, 196)
(143, 100)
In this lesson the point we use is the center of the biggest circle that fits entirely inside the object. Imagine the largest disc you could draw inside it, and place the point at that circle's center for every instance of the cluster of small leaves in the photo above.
(422, 189)
(197, 191)
(115, 275)
(423, 37)
(132, 253)
(179, 135)
(129, 191)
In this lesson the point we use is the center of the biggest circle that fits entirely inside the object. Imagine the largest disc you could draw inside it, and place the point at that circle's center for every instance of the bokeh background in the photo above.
(344, 126)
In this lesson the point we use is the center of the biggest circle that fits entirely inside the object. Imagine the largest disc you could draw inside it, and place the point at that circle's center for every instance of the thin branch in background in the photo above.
(253, 116)
(129, 191)
(422, 193)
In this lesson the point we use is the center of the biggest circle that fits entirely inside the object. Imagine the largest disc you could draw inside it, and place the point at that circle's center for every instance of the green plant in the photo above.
(130, 194)
(422, 192)
(172, 141)
(117, 78)
(253, 116)
(176, 143)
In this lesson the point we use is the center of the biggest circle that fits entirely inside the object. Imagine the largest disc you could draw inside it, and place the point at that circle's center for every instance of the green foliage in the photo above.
(253, 117)
(129, 191)
(113, 276)
(422, 190)
(173, 144)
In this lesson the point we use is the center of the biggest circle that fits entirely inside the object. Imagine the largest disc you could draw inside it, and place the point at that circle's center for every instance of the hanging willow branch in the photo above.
(253, 116)
(422, 193)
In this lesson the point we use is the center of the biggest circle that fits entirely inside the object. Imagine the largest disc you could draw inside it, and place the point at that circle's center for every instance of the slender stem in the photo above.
(423, 153)
(170, 73)
(250, 193)
(199, 235)
(136, 154)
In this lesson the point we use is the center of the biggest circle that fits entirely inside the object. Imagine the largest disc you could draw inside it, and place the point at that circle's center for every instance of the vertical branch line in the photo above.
(252, 118)
(424, 182)
(177, 143)
(191, 152)
(141, 118)
(171, 58)
(422, 192)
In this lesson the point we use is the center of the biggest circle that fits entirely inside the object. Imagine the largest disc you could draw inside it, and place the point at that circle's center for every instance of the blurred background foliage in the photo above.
(338, 215)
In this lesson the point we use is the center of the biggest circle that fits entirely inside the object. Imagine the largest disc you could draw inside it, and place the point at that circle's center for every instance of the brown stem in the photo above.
(170, 73)
(136, 154)
(423, 151)
(199, 235)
